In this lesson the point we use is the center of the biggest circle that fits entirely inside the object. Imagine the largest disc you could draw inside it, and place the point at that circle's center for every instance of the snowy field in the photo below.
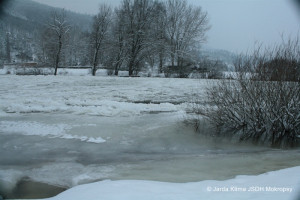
(71, 130)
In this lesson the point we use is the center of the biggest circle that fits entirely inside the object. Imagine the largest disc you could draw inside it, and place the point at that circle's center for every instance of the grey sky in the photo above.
(236, 24)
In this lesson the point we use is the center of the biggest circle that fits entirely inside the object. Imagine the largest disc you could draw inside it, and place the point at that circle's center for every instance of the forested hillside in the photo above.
(22, 24)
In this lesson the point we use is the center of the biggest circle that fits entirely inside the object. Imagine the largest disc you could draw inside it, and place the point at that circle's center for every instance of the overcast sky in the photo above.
(236, 24)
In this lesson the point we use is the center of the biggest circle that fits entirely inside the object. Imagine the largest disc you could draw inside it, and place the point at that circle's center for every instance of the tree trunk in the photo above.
(95, 63)
(57, 56)
(173, 60)
(8, 57)
(116, 72)
(117, 67)
(160, 68)
(130, 67)
(118, 64)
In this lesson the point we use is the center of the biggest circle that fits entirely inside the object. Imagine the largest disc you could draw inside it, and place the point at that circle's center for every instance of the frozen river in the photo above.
(65, 131)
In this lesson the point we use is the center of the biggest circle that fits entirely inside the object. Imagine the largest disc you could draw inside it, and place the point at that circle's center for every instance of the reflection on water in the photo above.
(149, 147)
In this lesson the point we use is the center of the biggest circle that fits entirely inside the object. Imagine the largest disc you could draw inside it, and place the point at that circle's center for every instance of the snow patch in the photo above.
(149, 190)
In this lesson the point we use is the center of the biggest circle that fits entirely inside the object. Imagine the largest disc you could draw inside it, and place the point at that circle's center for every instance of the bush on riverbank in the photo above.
(263, 104)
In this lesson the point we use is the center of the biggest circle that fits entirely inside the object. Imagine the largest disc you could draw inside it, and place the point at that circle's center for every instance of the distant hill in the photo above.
(30, 15)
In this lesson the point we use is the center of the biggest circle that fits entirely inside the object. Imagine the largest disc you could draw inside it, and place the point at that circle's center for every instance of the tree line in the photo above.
(136, 34)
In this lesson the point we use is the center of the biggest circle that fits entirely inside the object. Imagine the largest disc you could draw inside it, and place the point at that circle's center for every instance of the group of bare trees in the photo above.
(263, 104)
(138, 32)
(185, 25)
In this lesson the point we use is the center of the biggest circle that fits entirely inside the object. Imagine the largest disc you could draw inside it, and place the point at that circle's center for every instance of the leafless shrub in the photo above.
(263, 104)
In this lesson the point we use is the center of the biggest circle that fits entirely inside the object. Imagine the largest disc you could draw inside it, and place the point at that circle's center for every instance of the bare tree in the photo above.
(186, 25)
(119, 41)
(157, 51)
(60, 28)
(162, 39)
(138, 15)
(100, 32)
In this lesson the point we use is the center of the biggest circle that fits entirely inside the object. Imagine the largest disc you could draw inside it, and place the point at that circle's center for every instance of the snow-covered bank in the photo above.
(277, 185)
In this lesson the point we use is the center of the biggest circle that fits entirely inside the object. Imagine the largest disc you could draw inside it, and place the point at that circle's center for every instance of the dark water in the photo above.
(27, 189)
